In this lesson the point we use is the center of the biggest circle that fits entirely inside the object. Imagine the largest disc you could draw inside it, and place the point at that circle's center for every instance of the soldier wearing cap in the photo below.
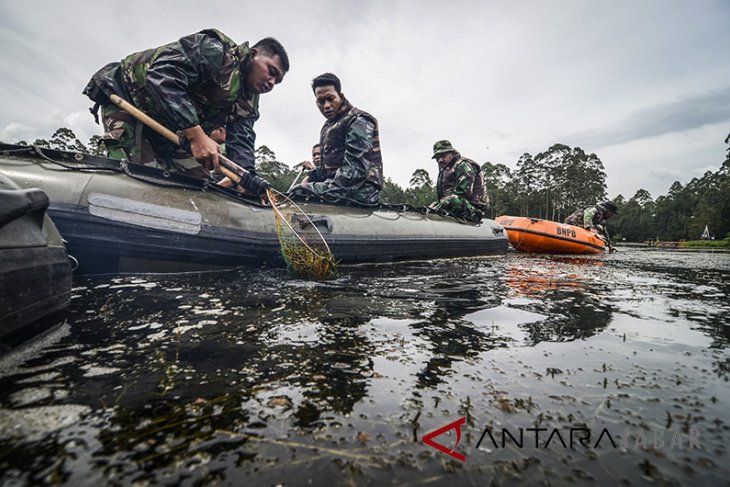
(594, 217)
(460, 186)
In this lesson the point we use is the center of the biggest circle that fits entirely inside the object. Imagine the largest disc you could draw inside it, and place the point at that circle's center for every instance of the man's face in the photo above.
(445, 158)
(264, 72)
(316, 155)
(328, 100)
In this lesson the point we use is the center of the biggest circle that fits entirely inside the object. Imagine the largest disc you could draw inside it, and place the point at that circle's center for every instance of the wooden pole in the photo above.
(228, 167)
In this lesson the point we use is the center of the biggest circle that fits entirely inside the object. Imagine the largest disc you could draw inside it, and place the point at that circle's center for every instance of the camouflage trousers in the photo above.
(367, 194)
(575, 219)
(126, 138)
(460, 208)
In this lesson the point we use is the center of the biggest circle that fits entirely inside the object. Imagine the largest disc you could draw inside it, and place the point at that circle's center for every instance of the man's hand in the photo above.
(263, 197)
(306, 165)
(225, 182)
(204, 149)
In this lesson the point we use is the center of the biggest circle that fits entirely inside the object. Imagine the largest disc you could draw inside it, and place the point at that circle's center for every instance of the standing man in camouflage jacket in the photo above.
(460, 185)
(594, 217)
(193, 85)
(350, 167)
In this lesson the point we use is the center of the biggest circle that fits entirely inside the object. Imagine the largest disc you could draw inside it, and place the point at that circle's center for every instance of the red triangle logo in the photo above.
(428, 439)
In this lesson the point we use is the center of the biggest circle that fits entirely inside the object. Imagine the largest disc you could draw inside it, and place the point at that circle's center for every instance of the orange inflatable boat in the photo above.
(545, 237)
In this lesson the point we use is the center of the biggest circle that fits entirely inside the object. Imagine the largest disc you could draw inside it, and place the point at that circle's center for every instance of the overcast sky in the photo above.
(644, 84)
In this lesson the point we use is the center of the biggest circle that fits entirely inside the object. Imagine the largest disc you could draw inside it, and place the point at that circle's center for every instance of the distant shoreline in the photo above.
(687, 246)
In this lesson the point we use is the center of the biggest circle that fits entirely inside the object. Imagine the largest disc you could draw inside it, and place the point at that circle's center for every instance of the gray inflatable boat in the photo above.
(127, 218)
(35, 273)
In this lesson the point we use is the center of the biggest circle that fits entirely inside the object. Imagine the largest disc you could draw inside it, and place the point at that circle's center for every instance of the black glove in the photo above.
(254, 184)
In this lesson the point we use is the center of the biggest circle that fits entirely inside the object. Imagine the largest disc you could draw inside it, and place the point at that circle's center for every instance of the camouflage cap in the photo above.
(442, 146)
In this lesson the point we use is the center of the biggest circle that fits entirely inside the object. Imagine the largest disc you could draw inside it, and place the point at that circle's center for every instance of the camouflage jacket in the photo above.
(462, 178)
(588, 217)
(350, 150)
(196, 80)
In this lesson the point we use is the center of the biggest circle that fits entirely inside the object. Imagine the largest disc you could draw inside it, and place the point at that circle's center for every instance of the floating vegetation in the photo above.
(302, 245)
(255, 379)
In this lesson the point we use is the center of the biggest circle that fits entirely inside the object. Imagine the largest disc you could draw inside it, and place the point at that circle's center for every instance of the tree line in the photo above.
(548, 185)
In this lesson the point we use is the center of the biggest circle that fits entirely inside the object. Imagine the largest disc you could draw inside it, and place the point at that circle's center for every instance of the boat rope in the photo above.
(148, 174)
(74, 261)
(300, 195)
(167, 179)
(78, 158)
(91, 163)
(523, 234)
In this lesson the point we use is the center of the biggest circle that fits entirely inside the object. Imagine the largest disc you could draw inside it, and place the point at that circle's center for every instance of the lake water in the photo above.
(256, 378)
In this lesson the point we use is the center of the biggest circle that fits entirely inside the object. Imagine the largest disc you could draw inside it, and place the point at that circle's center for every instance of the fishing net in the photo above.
(303, 247)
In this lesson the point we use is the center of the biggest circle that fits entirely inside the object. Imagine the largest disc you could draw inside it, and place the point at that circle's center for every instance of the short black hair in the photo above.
(316, 145)
(271, 47)
(327, 79)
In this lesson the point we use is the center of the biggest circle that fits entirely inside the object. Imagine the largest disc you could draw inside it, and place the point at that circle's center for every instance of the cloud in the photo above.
(654, 163)
(14, 132)
(498, 78)
(687, 113)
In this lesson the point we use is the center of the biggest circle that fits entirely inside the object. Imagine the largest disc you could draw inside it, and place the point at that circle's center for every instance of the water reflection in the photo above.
(695, 285)
(451, 339)
(563, 291)
(232, 377)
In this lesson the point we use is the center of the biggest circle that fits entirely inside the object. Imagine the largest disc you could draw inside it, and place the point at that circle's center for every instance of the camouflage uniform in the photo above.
(460, 186)
(591, 217)
(197, 80)
(351, 166)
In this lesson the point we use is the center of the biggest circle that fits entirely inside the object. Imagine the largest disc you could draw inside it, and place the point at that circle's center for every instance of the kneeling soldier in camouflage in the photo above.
(193, 85)
(460, 186)
(350, 167)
